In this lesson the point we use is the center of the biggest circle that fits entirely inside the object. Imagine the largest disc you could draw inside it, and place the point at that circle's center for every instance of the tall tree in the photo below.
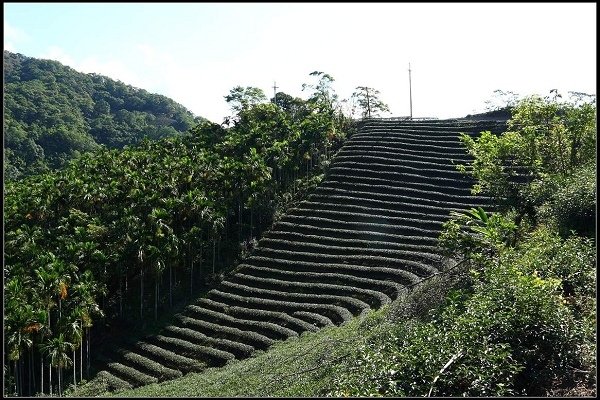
(241, 98)
(367, 99)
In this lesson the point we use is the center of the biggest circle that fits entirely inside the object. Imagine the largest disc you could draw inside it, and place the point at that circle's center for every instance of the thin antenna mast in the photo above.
(275, 87)
(410, 90)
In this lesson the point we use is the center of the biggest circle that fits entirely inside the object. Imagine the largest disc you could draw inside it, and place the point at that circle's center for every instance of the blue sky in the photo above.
(195, 53)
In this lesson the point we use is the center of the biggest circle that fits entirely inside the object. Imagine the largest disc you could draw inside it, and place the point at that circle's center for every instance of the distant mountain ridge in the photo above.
(52, 113)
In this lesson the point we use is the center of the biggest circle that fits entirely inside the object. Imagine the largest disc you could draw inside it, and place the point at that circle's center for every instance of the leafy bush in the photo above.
(475, 234)
(572, 202)
(506, 328)
(572, 260)
(546, 140)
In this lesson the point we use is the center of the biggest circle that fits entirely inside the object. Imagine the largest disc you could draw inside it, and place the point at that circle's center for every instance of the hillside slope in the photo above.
(364, 236)
(52, 113)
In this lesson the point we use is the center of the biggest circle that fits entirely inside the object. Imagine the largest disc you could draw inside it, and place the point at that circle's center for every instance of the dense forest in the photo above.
(53, 113)
(120, 234)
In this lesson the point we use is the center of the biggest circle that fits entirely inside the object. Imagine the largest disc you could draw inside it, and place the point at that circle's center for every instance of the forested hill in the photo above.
(53, 113)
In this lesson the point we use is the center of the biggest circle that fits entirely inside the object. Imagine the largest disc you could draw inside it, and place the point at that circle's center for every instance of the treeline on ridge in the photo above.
(53, 113)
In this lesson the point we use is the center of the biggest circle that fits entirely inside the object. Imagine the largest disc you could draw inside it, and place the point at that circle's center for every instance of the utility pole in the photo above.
(410, 90)
(275, 87)
(368, 102)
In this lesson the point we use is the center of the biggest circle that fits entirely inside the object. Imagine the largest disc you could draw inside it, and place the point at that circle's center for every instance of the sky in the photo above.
(195, 53)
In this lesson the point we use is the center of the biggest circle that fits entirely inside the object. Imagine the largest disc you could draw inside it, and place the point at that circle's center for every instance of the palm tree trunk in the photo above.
(81, 356)
(31, 373)
(141, 293)
(41, 374)
(22, 375)
(74, 370)
(88, 353)
(50, 377)
(192, 277)
(239, 219)
(16, 375)
(59, 382)
(155, 299)
(214, 255)
(120, 296)
(8, 375)
(251, 224)
(126, 286)
(170, 285)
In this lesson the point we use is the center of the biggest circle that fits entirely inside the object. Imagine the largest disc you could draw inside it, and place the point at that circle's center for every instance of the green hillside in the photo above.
(367, 232)
(53, 113)
(297, 253)
(514, 316)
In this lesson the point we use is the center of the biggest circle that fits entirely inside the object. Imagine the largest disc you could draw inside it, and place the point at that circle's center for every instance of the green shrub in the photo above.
(571, 260)
(477, 235)
(523, 312)
(506, 329)
(572, 205)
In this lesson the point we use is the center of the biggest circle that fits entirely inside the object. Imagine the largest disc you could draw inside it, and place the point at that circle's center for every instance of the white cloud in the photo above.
(198, 85)
(112, 68)
(12, 36)
(58, 54)
(157, 72)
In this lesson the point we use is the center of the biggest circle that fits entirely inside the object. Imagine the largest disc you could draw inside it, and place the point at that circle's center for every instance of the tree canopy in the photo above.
(367, 100)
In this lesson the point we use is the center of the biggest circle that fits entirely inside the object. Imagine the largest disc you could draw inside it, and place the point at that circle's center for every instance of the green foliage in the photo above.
(570, 260)
(522, 320)
(242, 98)
(510, 333)
(516, 317)
(543, 167)
(367, 100)
(547, 140)
(474, 234)
(53, 114)
(323, 97)
(570, 202)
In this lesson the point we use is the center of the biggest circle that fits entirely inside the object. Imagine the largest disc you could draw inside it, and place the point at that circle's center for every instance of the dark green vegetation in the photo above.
(119, 236)
(53, 113)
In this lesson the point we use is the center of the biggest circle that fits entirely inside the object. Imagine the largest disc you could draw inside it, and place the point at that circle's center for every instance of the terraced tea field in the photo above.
(365, 234)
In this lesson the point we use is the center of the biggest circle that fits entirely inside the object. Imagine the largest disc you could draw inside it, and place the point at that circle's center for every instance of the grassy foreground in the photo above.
(297, 367)
(306, 366)
(509, 328)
